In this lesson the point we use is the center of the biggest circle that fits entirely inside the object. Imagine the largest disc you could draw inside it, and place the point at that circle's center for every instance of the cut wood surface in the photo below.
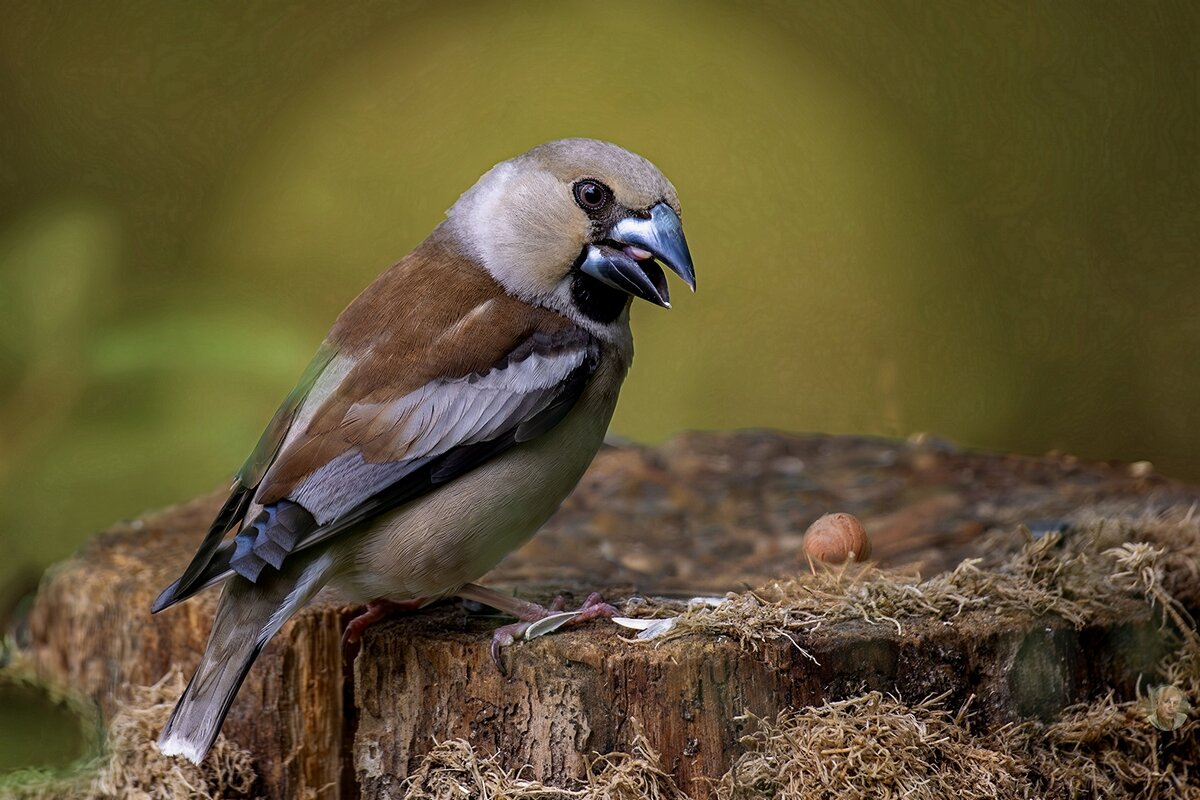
(703, 514)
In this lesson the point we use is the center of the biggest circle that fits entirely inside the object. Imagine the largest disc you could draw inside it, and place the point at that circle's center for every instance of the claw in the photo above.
(503, 637)
(534, 620)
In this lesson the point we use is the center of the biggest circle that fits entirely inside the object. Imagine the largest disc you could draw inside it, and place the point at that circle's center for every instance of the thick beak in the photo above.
(632, 268)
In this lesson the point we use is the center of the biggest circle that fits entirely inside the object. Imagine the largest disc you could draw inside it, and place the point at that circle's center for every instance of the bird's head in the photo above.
(579, 221)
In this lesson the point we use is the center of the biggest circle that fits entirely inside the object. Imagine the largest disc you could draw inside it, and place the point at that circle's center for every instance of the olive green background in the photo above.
(976, 219)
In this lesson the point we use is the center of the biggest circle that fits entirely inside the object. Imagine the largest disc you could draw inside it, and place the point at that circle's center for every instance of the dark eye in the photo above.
(591, 196)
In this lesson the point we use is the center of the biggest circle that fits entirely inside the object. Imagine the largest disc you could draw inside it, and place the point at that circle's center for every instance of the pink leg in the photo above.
(376, 611)
(529, 613)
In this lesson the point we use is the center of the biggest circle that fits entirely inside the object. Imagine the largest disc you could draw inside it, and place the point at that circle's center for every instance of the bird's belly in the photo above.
(453, 536)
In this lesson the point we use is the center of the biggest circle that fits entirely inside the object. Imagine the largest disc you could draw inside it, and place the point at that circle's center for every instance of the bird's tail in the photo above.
(248, 615)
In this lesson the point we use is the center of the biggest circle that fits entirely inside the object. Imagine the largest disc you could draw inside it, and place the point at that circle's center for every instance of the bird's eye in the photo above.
(590, 195)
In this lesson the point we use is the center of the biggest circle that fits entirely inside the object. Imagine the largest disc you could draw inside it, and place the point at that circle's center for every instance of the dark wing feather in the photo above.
(269, 539)
(462, 459)
(214, 570)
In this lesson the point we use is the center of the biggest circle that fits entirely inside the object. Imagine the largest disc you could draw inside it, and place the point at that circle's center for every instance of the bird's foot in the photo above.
(376, 611)
(533, 620)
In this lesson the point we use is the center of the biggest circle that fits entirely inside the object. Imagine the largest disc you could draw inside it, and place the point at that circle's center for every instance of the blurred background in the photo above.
(975, 219)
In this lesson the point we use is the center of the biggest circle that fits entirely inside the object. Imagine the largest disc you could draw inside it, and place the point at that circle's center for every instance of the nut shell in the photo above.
(836, 538)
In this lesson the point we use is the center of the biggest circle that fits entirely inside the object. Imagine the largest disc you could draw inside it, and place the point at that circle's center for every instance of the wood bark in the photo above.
(703, 514)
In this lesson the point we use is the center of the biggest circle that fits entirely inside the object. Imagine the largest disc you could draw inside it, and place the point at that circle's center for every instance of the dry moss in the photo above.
(1112, 748)
(131, 768)
(879, 747)
(871, 746)
(454, 771)
(1077, 576)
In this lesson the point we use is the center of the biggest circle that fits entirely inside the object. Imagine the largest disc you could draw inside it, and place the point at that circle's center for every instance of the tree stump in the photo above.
(703, 514)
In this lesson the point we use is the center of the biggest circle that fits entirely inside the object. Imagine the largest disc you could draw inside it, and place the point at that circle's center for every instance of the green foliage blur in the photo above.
(976, 219)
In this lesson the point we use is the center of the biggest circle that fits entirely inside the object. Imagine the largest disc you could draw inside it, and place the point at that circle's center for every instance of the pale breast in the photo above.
(456, 534)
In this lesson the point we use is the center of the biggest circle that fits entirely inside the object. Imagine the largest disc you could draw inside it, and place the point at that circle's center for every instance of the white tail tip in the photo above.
(171, 745)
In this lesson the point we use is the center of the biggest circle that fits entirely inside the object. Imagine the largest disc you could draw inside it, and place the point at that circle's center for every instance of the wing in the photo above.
(416, 385)
(392, 452)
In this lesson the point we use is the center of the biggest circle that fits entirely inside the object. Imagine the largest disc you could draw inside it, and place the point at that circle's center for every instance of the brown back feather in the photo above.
(437, 314)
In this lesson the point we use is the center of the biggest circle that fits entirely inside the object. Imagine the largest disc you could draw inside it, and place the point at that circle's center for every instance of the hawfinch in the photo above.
(453, 406)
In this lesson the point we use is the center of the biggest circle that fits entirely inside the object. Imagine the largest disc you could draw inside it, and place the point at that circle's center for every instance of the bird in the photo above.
(453, 406)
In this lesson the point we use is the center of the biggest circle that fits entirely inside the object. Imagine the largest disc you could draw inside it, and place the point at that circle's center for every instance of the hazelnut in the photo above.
(836, 538)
